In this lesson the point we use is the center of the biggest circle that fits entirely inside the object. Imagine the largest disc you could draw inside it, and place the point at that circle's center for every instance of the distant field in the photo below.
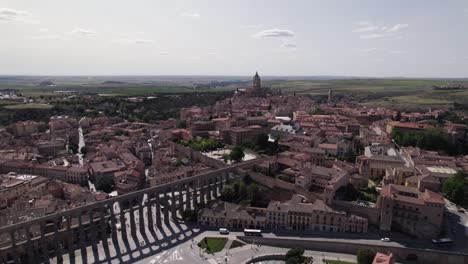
(407, 100)
(405, 93)
(398, 93)
(28, 106)
(7, 102)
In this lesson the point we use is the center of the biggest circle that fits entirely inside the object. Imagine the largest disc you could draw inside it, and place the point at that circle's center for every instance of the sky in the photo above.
(373, 38)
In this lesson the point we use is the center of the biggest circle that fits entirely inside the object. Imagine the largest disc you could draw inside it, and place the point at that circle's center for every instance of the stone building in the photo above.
(256, 90)
(411, 211)
(296, 214)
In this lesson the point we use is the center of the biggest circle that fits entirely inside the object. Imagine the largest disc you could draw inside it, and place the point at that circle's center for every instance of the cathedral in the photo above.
(256, 90)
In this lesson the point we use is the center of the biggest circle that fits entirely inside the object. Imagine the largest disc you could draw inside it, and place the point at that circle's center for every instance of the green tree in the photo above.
(295, 256)
(350, 155)
(242, 191)
(237, 153)
(105, 184)
(181, 124)
(456, 188)
(398, 116)
(261, 141)
(189, 215)
(365, 256)
(228, 193)
(253, 192)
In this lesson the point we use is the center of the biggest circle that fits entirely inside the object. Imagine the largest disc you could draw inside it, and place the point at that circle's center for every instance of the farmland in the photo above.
(411, 94)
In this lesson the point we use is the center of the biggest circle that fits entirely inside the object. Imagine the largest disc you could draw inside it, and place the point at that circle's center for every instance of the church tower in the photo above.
(257, 83)
(330, 94)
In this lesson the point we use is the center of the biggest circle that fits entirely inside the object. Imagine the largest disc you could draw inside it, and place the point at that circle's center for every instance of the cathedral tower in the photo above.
(257, 83)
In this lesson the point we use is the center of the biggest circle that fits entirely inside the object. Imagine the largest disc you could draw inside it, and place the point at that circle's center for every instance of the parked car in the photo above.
(385, 239)
(223, 231)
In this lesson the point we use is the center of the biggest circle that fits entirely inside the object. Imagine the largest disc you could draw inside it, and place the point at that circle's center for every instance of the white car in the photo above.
(223, 231)
(385, 239)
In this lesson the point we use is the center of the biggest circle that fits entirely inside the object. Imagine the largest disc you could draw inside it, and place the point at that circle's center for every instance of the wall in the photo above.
(371, 213)
(276, 183)
(197, 156)
(424, 255)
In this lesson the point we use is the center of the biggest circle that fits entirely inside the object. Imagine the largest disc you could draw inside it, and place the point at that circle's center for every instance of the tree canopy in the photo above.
(295, 256)
(365, 256)
(456, 188)
(237, 153)
(430, 139)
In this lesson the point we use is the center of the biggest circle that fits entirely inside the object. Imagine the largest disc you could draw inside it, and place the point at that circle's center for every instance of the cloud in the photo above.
(190, 14)
(192, 59)
(83, 32)
(141, 41)
(12, 15)
(381, 51)
(372, 36)
(397, 28)
(274, 33)
(466, 57)
(397, 51)
(289, 45)
(364, 23)
(163, 52)
(368, 30)
(251, 26)
(43, 30)
(45, 37)
(136, 41)
(368, 50)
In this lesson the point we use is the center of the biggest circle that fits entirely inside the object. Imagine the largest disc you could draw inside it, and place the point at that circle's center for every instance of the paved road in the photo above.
(188, 252)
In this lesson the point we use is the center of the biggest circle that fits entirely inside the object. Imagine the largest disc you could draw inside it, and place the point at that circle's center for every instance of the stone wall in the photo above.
(197, 156)
(271, 182)
(371, 213)
(425, 256)
(277, 183)
(199, 189)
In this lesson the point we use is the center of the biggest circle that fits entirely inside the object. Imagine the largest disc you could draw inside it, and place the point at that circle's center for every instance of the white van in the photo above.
(223, 231)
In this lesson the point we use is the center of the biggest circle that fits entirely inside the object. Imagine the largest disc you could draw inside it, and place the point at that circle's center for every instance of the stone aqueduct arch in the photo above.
(66, 231)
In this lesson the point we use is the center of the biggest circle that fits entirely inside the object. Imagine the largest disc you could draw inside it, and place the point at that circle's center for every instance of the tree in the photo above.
(237, 153)
(349, 155)
(261, 141)
(253, 192)
(365, 256)
(105, 184)
(456, 189)
(295, 256)
(228, 193)
(398, 116)
(189, 215)
(181, 124)
(242, 193)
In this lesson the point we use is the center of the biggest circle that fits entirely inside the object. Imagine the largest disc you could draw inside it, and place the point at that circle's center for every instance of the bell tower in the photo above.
(256, 83)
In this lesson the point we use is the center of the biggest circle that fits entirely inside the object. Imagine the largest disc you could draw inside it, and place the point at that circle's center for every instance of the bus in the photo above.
(442, 242)
(252, 232)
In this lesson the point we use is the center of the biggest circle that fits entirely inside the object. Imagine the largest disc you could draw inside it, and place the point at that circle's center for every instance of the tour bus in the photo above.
(224, 231)
(442, 242)
(252, 232)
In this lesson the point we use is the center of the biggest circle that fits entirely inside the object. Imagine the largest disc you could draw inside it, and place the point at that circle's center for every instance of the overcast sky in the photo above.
(417, 38)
